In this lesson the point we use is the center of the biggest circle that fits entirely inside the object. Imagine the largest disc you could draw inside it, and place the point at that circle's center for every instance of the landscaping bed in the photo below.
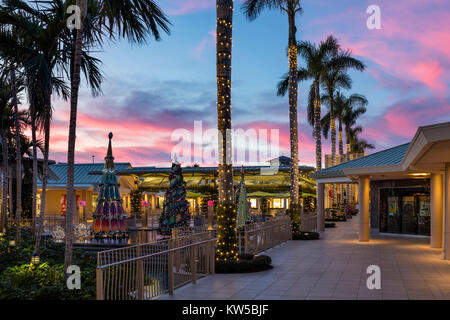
(247, 263)
(21, 280)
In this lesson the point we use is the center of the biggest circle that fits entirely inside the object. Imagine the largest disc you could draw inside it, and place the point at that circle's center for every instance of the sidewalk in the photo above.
(335, 268)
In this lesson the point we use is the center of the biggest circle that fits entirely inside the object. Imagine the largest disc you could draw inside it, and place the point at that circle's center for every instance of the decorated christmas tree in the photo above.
(242, 205)
(175, 206)
(110, 220)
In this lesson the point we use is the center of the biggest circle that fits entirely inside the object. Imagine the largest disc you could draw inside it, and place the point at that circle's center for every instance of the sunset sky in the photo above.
(154, 89)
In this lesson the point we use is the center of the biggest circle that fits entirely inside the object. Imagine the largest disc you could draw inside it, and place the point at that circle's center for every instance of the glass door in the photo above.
(424, 215)
(394, 217)
(409, 215)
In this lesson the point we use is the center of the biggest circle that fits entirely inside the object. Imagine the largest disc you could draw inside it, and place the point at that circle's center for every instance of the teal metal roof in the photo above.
(386, 157)
(82, 176)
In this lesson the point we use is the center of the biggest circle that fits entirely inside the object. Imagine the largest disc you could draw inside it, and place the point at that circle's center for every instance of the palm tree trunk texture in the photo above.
(5, 180)
(349, 196)
(293, 118)
(317, 132)
(10, 198)
(35, 173)
(40, 223)
(223, 47)
(341, 153)
(333, 148)
(18, 158)
(75, 85)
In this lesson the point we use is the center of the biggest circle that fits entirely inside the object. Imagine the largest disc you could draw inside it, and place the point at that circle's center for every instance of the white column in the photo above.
(436, 194)
(446, 239)
(364, 215)
(320, 207)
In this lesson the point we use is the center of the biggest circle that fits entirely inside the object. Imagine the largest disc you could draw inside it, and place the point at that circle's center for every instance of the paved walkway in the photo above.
(335, 268)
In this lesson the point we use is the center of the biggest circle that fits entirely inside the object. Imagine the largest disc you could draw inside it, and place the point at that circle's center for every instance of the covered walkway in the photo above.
(335, 268)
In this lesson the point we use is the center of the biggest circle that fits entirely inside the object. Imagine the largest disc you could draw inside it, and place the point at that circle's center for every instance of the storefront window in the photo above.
(405, 210)
(278, 203)
(253, 203)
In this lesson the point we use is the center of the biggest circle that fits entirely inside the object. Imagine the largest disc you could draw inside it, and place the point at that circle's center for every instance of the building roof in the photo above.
(82, 176)
(206, 170)
(392, 156)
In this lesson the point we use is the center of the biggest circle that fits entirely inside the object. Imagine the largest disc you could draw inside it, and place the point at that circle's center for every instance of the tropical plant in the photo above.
(135, 21)
(252, 9)
(325, 65)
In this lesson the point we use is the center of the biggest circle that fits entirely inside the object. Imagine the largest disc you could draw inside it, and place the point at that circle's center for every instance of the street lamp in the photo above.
(12, 243)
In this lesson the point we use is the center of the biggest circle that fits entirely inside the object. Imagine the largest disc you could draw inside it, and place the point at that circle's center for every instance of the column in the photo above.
(320, 207)
(436, 194)
(364, 215)
(446, 239)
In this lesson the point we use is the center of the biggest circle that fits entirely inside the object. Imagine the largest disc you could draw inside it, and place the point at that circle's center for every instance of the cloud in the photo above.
(206, 43)
(400, 121)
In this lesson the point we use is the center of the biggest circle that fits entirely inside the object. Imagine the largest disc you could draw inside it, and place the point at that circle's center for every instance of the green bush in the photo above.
(246, 263)
(20, 280)
(301, 235)
(330, 225)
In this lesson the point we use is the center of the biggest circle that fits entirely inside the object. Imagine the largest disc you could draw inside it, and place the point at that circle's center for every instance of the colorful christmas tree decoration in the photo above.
(243, 215)
(175, 206)
(110, 220)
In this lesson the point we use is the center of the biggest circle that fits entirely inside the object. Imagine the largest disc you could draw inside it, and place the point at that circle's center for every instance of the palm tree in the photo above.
(135, 21)
(44, 55)
(226, 248)
(353, 108)
(335, 79)
(348, 109)
(252, 9)
(317, 66)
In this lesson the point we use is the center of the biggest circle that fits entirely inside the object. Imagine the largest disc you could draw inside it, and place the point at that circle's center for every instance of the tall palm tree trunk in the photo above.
(224, 45)
(35, 172)
(5, 180)
(75, 85)
(226, 214)
(317, 126)
(293, 118)
(333, 144)
(18, 157)
(341, 153)
(347, 156)
(40, 223)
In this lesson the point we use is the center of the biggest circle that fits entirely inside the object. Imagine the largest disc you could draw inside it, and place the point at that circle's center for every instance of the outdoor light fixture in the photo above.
(35, 259)
(12, 243)
(420, 174)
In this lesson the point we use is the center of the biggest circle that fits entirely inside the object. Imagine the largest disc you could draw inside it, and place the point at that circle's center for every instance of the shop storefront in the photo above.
(405, 210)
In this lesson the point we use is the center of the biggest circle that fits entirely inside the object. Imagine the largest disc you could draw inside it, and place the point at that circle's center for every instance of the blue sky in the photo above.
(153, 89)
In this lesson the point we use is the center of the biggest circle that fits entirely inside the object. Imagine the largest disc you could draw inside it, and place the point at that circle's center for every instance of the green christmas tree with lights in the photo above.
(175, 206)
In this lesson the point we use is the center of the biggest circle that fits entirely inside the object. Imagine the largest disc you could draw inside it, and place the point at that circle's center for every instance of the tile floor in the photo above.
(335, 267)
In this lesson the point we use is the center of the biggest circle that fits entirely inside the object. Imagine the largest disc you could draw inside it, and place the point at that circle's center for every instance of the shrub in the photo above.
(246, 263)
(301, 235)
(330, 225)
(20, 280)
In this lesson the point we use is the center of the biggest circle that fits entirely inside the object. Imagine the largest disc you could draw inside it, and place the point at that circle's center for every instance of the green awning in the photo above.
(260, 194)
(194, 195)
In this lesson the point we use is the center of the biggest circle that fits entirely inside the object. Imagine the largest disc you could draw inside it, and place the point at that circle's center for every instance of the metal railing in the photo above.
(257, 237)
(308, 222)
(138, 250)
(154, 273)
